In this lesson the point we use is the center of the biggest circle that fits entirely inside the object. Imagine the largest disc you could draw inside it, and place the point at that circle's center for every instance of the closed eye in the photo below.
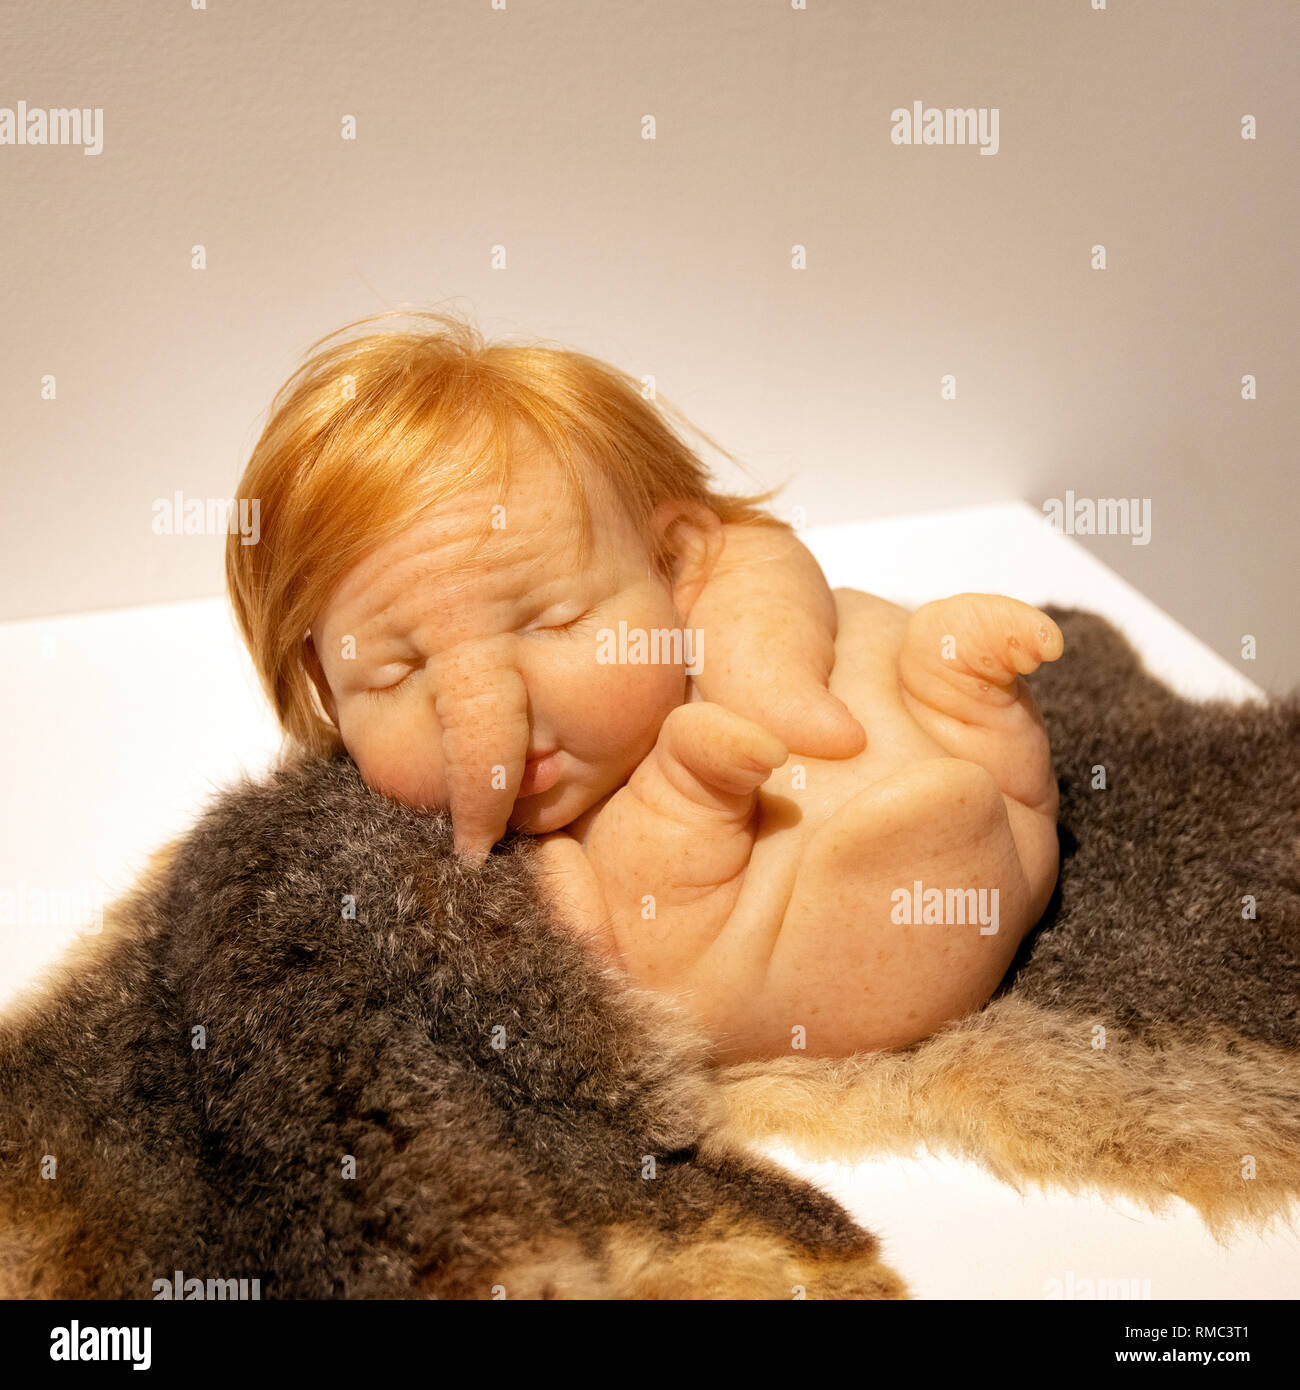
(566, 627)
(565, 624)
(395, 685)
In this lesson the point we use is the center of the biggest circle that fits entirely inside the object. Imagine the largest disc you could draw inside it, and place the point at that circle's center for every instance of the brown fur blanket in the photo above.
(311, 1049)
(316, 1052)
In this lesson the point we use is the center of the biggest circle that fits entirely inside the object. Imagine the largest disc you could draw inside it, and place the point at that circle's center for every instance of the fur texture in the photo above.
(365, 1001)
(1192, 1089)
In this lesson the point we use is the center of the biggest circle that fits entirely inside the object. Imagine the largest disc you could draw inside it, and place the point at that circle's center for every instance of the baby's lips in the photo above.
(541, 773)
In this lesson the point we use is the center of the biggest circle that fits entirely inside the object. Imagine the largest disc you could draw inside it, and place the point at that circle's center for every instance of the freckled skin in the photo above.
(683, 841)
(773, 894)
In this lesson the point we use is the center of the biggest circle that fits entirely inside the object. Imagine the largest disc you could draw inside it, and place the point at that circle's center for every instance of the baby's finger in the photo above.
(709, 759)
(802, 713)
(823, 727)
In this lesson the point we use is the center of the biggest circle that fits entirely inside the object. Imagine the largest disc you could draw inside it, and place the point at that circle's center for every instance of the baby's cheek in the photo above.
(395, 761)
(628, 705)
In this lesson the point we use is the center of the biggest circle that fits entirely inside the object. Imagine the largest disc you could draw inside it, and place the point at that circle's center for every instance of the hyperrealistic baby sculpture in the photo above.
(544, 619)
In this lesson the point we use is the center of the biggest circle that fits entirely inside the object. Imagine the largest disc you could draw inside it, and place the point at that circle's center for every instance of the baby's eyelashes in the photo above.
(391, 678)
(573, 625)
(559, 618)
(376, 691)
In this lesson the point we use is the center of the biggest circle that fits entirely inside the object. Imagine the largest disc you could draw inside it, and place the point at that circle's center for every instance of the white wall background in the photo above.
(522, 127)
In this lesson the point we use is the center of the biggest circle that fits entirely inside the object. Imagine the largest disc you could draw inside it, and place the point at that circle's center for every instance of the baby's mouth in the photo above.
(541, 773)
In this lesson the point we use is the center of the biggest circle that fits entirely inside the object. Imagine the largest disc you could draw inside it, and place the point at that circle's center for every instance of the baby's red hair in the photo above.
(372, 432)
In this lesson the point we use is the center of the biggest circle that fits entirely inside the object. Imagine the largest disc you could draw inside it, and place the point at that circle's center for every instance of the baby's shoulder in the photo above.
(868, 618)
(858, 600)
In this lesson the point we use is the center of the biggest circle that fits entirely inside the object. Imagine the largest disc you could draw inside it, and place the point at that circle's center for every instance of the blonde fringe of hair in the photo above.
(373, 432)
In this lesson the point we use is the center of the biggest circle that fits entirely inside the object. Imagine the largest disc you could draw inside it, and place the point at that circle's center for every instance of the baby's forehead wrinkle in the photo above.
(454, 558)
(430, 603)
(372, 594)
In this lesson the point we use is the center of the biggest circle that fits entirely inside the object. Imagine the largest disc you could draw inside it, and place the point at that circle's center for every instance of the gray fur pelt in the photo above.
(315, 1051)
(1178, 905)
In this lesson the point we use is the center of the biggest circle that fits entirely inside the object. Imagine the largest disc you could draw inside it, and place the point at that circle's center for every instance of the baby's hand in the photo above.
(769, 622)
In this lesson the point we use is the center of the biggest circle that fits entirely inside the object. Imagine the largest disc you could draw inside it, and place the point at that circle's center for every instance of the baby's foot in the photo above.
(964, 655)
(960, 670)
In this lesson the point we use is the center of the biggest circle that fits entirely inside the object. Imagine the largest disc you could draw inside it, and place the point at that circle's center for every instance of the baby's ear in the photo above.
(316, 671)
(690, 534)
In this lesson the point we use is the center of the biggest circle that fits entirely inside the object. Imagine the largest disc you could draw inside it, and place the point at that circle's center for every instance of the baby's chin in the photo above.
(551, 810)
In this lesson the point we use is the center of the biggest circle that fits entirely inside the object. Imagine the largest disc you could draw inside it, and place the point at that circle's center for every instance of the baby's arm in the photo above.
(669, 850)
(960, 669)
(769, 624)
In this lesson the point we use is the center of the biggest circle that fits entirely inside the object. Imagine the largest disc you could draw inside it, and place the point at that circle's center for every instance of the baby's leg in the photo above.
(669, 849)
(960, 670)
(857, 965)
